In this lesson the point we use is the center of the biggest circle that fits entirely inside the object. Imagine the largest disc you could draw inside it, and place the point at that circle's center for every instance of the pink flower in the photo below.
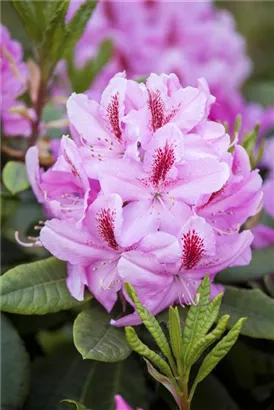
(224, 209)
(229, 105)
(264, 235)
(160, 209)
(14, 78)
(98, 245)
(159, 286)
(64, 189)
(121, 404)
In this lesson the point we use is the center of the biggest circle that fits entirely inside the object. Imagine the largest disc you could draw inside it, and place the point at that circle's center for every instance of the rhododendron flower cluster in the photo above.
(191, 39)
(14, 79)
(148, 191)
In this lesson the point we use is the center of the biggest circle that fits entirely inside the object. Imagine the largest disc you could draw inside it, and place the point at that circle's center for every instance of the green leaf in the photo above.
(82, 78)
(36, 288)
(26, 13)
(207, 341)
(176, 337)
(96, 339)
(51, 49)
(247, 366)
(253, 304)
(30, 324)
(151, 324)
(217, 354)
(269, 284)
(50, 340)
(75, 404)
(15, 177)
(165, 381)
(212, 395)
(94, 384)
(262, 92)
(77, 24)
(198, 319)
(262, 263)
(144, 351)
(14, 367)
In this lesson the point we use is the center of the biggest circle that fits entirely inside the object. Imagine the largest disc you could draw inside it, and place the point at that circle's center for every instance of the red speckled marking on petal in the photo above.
(164, 159)
(113, 116)
(105, 222)
(193, 249)
(157, 109)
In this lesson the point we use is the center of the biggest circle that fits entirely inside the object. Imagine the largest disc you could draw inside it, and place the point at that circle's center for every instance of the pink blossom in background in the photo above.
(14, 79)
(147, 193)
(121, 404)
(263, 234)
(191, 39)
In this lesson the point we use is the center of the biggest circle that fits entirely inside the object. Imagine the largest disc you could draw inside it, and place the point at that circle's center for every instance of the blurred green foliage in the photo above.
(255, 21)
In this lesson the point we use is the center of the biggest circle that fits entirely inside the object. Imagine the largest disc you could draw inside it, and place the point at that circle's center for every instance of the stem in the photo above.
(38, 108)
(185, 404)
(184, 401)
(14, 153)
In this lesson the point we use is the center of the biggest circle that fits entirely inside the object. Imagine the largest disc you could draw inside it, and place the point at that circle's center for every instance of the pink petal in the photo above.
(76, 281)
(163, 245)
(120, 403)
(199, 177)
(83, 115)
(104, 219)
(66, 242)
(33, 171)
(104, 283)
(140, 218)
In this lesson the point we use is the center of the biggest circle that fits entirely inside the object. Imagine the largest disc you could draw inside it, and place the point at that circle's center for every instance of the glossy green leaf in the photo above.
(94, 384)
(253, 304)
(96, 339)
(36, 288)
(15, 177)
(15, 367)
(217, 354)
(262, 263)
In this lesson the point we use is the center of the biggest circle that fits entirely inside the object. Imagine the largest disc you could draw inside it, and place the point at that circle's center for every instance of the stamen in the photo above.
(35, 242)
(187, 296)
(111, 284)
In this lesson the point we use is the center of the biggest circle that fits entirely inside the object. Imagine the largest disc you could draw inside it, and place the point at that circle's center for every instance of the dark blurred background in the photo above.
(254, 19)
